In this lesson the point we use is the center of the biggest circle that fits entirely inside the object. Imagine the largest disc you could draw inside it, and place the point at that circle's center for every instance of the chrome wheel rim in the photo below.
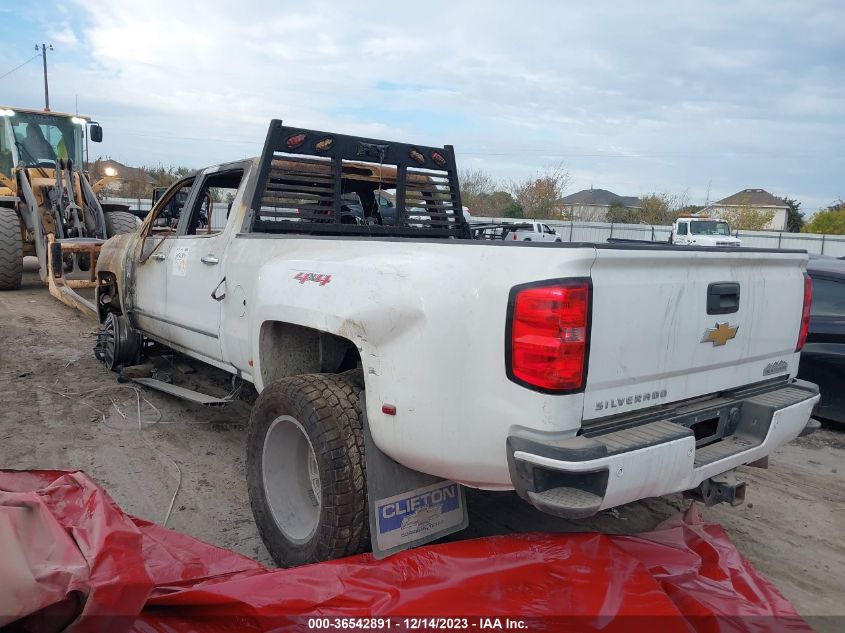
(291, 478)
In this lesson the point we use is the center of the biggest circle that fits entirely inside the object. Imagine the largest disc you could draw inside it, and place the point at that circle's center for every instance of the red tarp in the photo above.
(70, 557)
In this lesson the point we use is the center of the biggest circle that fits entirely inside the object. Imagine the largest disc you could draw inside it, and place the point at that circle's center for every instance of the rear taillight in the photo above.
(805, 312)
(548, 335)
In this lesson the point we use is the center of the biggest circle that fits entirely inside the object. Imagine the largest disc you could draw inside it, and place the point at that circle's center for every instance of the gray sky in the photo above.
(631, 96)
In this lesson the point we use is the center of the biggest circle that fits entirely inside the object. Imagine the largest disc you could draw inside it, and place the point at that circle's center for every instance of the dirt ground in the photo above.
(792, 526)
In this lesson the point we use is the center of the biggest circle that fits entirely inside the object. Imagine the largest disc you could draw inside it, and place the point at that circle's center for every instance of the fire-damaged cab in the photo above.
(399, 360)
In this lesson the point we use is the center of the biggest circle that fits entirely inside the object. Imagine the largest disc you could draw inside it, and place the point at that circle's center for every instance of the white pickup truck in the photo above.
(532, 232)
(701, 231)
(583, 376)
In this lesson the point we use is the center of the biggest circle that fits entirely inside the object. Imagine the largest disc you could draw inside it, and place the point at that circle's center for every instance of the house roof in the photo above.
(599, 197)
(753, 198)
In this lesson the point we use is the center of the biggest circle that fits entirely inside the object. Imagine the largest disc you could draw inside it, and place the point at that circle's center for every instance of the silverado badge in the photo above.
(719, 335)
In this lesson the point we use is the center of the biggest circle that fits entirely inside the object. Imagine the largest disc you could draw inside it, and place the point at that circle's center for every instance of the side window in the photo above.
(212, 204)
(683, 228)
(6, 160)
(161, 222)
(546, 229)
(828, 298)
(168, 211)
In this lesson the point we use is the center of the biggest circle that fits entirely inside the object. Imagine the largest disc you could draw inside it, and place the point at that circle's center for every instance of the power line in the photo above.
(473, 152)
(645, 155)
(20, 66)
(256, 143)
(512, 153)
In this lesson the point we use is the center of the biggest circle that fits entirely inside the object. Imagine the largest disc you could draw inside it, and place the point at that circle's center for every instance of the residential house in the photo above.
(758, 199)
(126, 179)
(592, 205)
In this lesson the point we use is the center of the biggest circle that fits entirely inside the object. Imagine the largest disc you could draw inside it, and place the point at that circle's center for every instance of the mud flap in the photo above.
(408, 508)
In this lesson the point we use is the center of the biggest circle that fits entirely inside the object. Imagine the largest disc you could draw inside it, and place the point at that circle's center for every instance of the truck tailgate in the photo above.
(653, 341)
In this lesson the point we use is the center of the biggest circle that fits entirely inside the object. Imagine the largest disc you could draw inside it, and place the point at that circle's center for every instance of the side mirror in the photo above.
(96, 133)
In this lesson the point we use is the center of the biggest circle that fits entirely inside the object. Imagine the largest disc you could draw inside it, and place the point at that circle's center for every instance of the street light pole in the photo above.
(44, 48)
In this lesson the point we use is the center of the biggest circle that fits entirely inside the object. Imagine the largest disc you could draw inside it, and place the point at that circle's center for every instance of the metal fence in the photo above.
(600, 231)
(136, 204)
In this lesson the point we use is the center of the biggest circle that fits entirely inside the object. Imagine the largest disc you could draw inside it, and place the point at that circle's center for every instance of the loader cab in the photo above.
(35, 138)
(38, 139)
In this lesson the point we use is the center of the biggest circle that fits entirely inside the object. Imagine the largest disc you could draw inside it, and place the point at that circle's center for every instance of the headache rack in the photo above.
(322, 183)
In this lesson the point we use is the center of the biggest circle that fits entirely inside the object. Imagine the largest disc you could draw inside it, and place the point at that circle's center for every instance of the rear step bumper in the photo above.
(576, 477)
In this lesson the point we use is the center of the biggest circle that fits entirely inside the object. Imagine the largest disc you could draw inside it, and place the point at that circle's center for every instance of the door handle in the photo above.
(209, 259)
(160, 256)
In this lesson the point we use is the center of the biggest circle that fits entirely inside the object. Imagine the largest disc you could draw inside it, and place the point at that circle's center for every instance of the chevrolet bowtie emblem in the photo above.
(719, 335)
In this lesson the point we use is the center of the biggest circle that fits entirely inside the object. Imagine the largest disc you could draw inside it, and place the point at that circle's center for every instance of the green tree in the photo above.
(830, 220)
(663, 208)
(513, 210)
(619, 213)
(746, 218)
(539, 196)
(655, 209)
(476, 187)
(497, 202)
(794, 217)
(488, 205)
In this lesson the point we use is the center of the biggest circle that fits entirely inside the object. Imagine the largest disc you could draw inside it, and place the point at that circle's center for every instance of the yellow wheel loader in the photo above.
(48, 206)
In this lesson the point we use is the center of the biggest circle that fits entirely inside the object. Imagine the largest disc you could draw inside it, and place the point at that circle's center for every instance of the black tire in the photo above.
(526, 239)
(11, 250)
(109, 207)
(325, 410)
(118, 222)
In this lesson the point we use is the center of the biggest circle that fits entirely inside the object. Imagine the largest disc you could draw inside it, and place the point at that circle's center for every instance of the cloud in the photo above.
(65, 37)
(634, 97)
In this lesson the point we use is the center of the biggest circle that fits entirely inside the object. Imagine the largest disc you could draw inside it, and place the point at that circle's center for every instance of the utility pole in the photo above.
(44, 48)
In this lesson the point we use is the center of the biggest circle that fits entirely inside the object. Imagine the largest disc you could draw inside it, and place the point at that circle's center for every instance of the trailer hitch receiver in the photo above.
(725, 487)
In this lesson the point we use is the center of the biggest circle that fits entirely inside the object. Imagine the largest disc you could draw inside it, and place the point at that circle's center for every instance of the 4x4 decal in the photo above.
(320, 278)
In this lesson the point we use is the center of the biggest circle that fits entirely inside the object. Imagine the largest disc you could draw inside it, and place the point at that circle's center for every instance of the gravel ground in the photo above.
(792, 526)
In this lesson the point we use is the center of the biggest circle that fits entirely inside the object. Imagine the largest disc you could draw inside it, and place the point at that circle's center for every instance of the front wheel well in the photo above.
(288, 349)
(107, 295)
